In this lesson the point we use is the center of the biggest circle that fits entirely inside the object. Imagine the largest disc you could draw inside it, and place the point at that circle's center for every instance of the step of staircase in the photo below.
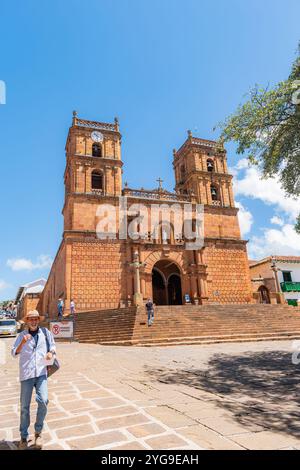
(189, 324)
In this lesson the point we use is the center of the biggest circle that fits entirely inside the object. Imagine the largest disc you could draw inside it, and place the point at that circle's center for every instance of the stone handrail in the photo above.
(100, 192)
(156, 195)
(96, 125)
(203, 143)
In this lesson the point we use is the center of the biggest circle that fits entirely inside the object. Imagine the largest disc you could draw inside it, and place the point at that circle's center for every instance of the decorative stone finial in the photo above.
(174, 152)
(116, 123)
(189, 133)
(74, 118)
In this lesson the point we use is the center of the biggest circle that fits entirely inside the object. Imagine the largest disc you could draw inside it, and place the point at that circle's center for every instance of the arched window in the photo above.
(214, 193)
(210, 164)
(96, 150)
(97, 180)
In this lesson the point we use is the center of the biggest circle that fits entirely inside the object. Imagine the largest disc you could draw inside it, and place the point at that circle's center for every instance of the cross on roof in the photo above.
(160, 181)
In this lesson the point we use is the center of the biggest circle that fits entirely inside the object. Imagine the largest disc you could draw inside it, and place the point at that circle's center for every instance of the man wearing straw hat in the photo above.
(31, 346)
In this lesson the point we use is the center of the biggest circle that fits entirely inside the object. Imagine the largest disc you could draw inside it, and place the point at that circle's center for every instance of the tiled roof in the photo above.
(286, 258)
(277, 258)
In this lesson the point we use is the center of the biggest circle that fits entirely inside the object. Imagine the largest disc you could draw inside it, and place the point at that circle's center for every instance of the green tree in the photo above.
(5, 303)
(267, 128)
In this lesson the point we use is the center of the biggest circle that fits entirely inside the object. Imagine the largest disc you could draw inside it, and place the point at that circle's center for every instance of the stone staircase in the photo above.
(189, 324)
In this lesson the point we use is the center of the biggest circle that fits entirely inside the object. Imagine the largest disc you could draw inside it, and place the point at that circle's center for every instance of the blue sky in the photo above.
(162, 67)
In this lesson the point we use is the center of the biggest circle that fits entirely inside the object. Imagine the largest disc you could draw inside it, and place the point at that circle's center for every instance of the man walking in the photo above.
(72, 307)
(31, 346)
(150, 311)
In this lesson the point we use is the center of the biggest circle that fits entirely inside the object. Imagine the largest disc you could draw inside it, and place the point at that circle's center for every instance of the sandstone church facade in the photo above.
(114, 273)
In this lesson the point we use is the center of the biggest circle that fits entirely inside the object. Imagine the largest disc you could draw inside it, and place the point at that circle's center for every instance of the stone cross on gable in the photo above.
(160, 181)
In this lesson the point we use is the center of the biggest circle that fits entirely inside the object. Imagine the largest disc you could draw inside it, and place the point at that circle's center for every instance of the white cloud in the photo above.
(24, 264)
(268, 190)
(245, 218)
(281, 241)
(4, 285)
(277, 221)
(242, 164)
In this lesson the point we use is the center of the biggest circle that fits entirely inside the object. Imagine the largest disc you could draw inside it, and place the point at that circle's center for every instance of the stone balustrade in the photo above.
(156, 195)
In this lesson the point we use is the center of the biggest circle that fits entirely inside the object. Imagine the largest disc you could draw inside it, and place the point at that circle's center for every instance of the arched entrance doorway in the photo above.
(174, 290)
(264, 295)
(166, 283)
(158, 287)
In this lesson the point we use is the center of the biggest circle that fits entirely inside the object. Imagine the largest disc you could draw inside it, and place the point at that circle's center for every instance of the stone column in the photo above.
(203, 289)
(231, 194)
(115, 173)
(138, 298)
(143, 287)
(88, 183)
(208, 193)
(221, 188)
(107, 168)
(129, 287)
(68, 293)
(194, 288)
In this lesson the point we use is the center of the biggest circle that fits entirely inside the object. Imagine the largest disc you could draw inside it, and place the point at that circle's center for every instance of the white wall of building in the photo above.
(294, 268)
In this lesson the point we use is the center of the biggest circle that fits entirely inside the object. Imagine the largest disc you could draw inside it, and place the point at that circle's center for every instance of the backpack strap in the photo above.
(44, 330)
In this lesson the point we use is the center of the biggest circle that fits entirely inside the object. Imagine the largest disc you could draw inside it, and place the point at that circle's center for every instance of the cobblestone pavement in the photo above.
(239, 396)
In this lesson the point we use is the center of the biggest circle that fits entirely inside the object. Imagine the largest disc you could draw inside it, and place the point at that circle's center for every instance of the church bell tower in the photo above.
(201, 171)
(93, 170)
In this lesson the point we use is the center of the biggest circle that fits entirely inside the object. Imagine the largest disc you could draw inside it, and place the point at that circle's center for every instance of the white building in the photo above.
(28, 296)
(289, 276)
(277, 274)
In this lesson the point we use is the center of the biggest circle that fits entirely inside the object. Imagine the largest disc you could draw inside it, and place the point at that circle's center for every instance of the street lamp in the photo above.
(275, 270)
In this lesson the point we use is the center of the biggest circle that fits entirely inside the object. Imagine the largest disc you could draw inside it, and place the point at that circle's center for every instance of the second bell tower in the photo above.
(201, 169)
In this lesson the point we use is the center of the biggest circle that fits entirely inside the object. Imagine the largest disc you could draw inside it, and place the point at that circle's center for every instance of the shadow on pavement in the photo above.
(13, 445)
(259, 388)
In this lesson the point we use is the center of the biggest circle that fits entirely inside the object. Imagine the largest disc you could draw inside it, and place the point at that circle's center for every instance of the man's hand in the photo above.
(26, 338)
(24, 341)
(49, 355)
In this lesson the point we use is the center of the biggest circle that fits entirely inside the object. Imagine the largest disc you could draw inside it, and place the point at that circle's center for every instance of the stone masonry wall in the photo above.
(228, 274)
(56, 283)
(261, 270)
(29, 303)
(217, 224)
(98, 280)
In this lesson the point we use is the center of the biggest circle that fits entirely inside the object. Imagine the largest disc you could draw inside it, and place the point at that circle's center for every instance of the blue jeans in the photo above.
(41, 388)
(150, 316)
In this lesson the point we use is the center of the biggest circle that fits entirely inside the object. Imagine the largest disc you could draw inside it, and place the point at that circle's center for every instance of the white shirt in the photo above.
(32, 357)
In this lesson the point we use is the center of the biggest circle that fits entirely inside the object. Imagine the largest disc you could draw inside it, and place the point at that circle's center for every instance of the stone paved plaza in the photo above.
(225, 396)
